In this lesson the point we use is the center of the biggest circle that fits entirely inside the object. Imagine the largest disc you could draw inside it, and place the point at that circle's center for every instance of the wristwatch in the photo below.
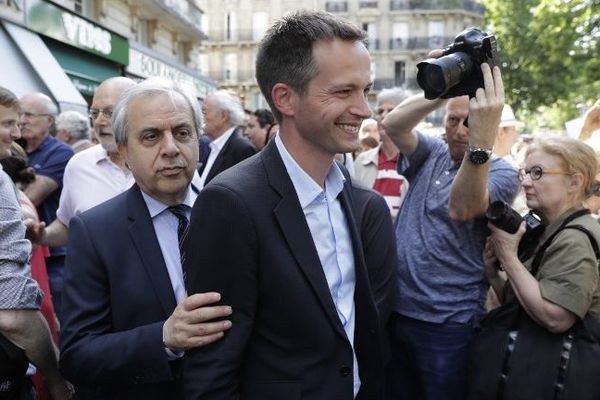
(479, 156)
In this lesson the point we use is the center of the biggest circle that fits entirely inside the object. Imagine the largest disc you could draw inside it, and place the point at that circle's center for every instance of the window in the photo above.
(230, 27)
(399, 35)
(260, 24)
(371, 29)
(436, 34)
(399, 73)
(231, 67)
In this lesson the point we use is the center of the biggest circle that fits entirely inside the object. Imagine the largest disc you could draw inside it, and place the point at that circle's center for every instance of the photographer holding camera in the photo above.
(552, 297)
(441, 227)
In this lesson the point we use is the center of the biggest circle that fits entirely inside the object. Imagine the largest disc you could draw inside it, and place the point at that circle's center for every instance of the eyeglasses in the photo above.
(32, 115)
(93, 114)
(536, 172)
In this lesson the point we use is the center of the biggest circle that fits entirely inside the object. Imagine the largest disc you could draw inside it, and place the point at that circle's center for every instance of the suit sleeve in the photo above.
(222, 257)
(91, 353)
(380, 253)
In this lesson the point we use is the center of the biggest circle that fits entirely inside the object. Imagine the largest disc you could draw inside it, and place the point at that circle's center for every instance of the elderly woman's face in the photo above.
(546, 192)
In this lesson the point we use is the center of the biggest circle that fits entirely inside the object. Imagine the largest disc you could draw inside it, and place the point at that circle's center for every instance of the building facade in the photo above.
(400, 32)
(65, 48)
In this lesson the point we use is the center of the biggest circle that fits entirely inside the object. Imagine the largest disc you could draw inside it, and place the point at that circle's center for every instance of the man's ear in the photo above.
(284, 98)
(123, 151)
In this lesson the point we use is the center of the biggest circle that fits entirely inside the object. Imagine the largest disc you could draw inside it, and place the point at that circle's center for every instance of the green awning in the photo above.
(86, 70)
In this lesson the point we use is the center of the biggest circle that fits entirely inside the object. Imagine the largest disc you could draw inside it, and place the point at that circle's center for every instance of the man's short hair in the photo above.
(77, 124)
(285, 54)
(231, 104)
(8, 99)
(150, 88)
(264, 117)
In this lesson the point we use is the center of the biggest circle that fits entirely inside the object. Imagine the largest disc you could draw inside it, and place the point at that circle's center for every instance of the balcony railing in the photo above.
(336, 6)
(367, 4)
(468, 5)
(386, 83)
(184, 9)
(430, 42)
(373, 44)
(236, 35)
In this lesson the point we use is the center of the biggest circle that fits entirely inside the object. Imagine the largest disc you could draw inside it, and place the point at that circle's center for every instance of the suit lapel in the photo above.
(221, 157)
(144, 239)
(297, 234)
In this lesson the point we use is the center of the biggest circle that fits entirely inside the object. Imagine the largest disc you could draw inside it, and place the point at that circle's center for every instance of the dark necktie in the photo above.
(182, 230)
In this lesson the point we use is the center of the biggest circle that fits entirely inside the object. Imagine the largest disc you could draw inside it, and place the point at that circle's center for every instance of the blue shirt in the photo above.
(440, 261)
(50, 160)
(329, 229)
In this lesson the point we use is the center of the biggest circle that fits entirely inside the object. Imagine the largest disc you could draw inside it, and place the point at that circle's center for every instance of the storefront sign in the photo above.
(13, 10)
(64, 26)
(147, 66)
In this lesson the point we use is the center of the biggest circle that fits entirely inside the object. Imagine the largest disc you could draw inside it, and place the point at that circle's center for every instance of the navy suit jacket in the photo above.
(116, 297)
(249, 240)
(237, 148)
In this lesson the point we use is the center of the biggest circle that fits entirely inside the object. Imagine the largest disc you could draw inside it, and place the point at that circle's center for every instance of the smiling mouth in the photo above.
(349, 128)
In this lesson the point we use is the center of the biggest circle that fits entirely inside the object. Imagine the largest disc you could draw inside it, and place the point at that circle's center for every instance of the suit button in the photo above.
(345, 370)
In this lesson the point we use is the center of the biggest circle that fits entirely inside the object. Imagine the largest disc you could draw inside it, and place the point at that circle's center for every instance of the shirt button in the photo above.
(345, 370)
(446, 172)
(437, 182)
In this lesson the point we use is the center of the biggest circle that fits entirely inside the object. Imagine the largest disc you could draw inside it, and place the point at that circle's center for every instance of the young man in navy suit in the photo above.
(277, 235)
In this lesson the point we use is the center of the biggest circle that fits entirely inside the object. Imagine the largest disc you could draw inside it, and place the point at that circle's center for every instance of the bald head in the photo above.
(37, 118)
(104, 101)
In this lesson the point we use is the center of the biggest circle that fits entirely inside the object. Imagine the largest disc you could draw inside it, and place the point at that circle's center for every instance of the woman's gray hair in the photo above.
(231, 104)
(149, 88)
(77, 124)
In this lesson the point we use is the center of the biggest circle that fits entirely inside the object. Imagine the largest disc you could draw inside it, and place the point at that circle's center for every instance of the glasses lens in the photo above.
(536, 172)
(93, 114)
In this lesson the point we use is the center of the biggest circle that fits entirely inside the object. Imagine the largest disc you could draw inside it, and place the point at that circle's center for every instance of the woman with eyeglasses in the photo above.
(558, 176)
(535, 342)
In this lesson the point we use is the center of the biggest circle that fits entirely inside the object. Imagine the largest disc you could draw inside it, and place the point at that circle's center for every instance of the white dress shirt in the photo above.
(215, 148)
(329, 229)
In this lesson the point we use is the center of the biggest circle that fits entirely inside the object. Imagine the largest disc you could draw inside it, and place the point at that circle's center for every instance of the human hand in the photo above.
(591, 120)
(193, 324)
(485, 109)
(35, 231)
(505, 245)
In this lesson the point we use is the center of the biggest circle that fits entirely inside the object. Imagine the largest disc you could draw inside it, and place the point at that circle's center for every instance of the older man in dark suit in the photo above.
(277, 235)
(127, 317)
(223, 115)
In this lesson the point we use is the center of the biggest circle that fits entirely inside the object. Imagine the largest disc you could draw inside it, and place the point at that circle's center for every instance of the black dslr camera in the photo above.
(504, 217)
(458, 72)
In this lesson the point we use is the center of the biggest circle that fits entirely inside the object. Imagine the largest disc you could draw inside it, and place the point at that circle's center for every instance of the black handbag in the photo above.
(513, 358)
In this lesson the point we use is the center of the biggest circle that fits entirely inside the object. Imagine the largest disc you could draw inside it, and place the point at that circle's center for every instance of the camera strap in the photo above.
(535, 265)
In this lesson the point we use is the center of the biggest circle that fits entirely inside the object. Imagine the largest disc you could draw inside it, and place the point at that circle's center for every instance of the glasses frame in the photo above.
(33, 115)
(538, 175)
(106, 113)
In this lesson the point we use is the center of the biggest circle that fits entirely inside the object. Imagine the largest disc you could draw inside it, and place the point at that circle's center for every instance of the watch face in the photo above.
(478, 157)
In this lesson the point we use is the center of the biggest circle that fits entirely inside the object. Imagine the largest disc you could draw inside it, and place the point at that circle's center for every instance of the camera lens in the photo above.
(437, 76)
(503, 216)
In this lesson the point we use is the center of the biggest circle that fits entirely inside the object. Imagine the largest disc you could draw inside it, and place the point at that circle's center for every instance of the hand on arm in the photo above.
(56, 234)
(527, 289)
(193, 324)
(469, 197)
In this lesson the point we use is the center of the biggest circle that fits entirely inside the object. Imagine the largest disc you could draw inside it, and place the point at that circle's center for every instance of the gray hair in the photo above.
(77, 124)
(150, 88)
(230, 104)
(395, 95)
(285, 54)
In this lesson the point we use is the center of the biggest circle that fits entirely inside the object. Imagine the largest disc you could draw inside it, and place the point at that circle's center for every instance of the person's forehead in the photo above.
(458, 105)
(8, 112)
(162, 102)
(31, 102)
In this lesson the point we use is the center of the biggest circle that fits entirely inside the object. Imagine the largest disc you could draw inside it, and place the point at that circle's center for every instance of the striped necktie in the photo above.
(182, 230)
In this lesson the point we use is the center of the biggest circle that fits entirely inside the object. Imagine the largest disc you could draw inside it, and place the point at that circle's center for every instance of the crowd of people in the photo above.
(318, 249)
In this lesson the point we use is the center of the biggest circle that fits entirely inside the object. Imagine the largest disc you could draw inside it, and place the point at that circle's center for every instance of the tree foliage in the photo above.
(550, 53)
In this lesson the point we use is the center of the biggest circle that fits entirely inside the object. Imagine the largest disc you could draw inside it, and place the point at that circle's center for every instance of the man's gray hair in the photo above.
(150, 88)
(77, 124)
(231, 104)
(50, 107)
(395, 95)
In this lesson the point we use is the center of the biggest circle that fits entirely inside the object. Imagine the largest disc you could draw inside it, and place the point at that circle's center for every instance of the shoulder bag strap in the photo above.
(535, 265)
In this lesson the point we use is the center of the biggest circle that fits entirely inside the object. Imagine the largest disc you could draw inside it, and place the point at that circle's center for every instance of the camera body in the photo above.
(458, 71)
(504, 217)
